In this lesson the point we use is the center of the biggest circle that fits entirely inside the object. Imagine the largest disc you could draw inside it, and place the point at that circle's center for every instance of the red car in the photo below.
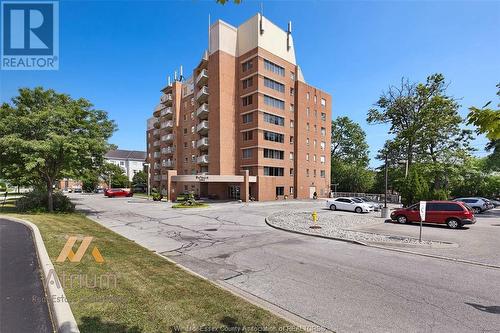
(117, 192)
(453, 214)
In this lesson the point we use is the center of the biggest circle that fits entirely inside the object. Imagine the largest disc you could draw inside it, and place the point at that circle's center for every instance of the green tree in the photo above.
(116, 173)
(414, 188)
(349, 152)
(140, 178)
(487, 120)
(45, 135)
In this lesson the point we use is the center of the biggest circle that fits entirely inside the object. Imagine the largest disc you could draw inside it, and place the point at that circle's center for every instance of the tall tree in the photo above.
(349, 152)
(45, 135)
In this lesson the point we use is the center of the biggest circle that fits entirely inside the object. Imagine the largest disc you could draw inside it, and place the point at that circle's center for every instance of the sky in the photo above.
(118, 54)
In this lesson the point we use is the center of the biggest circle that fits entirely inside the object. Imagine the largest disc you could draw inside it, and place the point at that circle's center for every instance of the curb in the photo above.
(275, 309)
(470, 262)
(61, 313)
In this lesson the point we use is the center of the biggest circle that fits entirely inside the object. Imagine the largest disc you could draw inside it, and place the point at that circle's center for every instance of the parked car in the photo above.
(99, 190)
(495, 203)
(454, 214)
(117, 192)
(77, 190)
(479, 205)
(350, 204)
(376, 205)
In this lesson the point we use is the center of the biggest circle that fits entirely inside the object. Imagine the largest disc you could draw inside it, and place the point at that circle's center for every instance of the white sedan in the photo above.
(350, 204)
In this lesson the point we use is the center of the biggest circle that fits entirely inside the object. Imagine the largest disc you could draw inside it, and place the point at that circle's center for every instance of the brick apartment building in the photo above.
(245, 124)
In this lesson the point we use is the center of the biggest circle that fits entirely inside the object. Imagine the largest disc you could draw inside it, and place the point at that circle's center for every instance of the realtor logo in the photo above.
(30, 35)
(67, 250)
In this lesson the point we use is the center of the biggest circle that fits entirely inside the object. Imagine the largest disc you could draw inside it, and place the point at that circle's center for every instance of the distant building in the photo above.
(131, 161)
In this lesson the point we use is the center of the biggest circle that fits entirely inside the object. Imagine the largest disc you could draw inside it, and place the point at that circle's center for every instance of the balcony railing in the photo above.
(202, 143)
(158, 109)
(202, 111)
(167, 124)
(156, 178)
(156, 143)
(156, 154)
(167, 163)
(202, 94)
(168, 150)
(203, 159)
(202, 78)
(166, 99)
(156, 132)
(167, 112)
(167, 138)
(202, 127)
(163, 177)
(156, 166)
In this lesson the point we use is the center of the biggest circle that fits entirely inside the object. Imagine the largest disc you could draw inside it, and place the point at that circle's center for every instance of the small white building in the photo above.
(131, 161)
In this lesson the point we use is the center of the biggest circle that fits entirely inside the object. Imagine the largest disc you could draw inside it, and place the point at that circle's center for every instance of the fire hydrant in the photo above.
(315, 220)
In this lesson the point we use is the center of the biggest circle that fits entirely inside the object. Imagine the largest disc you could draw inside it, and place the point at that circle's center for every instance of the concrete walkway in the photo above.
(23, 306)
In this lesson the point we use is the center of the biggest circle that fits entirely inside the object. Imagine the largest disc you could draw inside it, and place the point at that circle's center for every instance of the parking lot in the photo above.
(336, 285)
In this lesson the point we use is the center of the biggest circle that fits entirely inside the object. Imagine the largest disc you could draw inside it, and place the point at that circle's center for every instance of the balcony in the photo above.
(166, 99)
(156, 178)
(202, 143)
(156, 133)
(167, 124)
(156, 154)
(202, 128)
(202, 111)
(203, 159)
(202, 95)
(156, 166)
(167, 163)
(202, 78)
(168, 150)
(167, 138)
(167, 113)
(163, 177)
(156, 143)
(158, 109)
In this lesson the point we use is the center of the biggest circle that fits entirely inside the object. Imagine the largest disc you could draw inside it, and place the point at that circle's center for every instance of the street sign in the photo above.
(423, 207)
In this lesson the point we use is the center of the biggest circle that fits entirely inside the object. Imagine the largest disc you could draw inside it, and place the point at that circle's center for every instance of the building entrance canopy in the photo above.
(213, 179)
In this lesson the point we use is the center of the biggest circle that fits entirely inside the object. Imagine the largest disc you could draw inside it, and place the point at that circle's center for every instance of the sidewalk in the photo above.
(22, 297)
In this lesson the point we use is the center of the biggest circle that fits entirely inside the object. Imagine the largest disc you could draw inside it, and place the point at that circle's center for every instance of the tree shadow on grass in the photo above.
(96, 325)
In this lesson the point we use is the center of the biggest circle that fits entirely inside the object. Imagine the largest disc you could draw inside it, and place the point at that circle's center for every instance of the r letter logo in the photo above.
(30, 35)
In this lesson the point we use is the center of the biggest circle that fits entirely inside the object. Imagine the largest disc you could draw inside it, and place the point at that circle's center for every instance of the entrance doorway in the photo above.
(312, 189)
(234, 192)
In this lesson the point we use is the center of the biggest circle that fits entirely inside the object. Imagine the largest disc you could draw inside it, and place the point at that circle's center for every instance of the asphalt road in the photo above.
(339, 286)
(22, 297)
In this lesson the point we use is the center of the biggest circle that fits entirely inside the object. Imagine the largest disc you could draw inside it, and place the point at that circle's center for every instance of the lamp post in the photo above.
(385, 211)
(147, 165)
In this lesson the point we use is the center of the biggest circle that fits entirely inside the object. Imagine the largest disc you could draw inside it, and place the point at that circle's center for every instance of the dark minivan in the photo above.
(452, 213)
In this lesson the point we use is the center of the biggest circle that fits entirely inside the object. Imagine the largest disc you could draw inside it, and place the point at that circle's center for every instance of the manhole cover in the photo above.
(213, 229)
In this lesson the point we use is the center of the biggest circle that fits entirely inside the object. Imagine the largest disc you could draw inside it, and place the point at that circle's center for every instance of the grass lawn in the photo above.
(151, 294)
(197, 205)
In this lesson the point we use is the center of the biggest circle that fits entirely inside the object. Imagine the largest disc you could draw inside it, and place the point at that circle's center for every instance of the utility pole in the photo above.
(149, 179)
(385, 210)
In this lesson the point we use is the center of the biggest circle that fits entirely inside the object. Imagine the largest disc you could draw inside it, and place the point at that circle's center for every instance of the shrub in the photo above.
(36, 201)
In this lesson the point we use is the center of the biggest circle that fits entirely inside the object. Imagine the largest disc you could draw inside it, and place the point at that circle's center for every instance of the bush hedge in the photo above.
(37, 200)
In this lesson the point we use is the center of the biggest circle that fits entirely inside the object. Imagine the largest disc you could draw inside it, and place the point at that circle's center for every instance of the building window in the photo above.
(292, 108)
(292, 76)
(307, 111)
(307, 126)
(185, 161)
(272, 67)
(307, 172)
(322, 159)
(291, 123)
(185, 130)
(185, 144)
(274, 102)
(272, 119)
(247, 153)
(247, 100)
(323, 102)
(315, 99)
(247, 82)
(323, 131)
(315, 129)
(280, 190)
(193, 144)
(275, 137)
(292, 91)
(291, 190)
(192, 129)
(291, 155)
(247, 118)
(315, 142)
(314, 158)
(273, 171)
(307, 96)
(248, 135)
(275, 154)
(322, 145)
(323, 116)
(307, 141)
(291, 139)
(291, 172)
(185, 117)
(307, 157)
(274, 85)
(247, 65)
(322, 173)
(193, 158)
(314, 173)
